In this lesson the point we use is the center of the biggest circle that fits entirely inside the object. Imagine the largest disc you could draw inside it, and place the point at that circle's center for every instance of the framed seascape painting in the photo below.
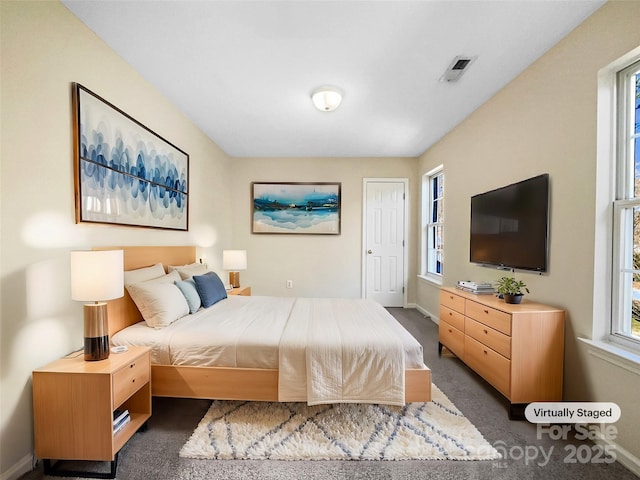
(126, 174)
(296, 208)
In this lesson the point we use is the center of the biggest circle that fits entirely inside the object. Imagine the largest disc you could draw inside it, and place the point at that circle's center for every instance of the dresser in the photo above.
(518, 349)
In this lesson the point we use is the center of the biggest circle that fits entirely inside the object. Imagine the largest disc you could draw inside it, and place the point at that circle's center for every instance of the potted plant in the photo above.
(511, 289)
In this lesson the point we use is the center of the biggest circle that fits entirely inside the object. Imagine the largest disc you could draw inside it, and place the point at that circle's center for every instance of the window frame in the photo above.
(428, 269)
(625, 201)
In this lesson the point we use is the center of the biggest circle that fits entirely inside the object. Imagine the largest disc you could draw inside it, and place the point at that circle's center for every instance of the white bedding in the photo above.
(351, 350)
(341, 351)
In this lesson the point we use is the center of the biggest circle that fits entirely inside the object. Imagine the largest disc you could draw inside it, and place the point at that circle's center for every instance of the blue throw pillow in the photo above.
(210, 288)
(188, 289)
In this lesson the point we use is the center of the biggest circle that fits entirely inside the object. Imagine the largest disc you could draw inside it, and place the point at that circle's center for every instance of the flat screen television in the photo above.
(510, 226)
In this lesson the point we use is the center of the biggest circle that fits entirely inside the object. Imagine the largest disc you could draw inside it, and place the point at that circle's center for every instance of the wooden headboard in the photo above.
(122, 311)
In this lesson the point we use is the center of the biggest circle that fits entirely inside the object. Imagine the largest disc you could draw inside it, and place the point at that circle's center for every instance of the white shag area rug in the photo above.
(294, 431)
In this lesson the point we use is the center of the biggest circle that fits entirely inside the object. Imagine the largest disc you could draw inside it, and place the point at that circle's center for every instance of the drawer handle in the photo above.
(133, 381)
(132, 365)
(451, 297)
(485, 352)
(485, 331)
(486, 311)
(450, 314)
(450, 331)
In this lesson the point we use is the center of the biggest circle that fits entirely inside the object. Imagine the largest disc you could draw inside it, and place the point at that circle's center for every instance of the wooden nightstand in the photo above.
(73, 405)
(245, 291)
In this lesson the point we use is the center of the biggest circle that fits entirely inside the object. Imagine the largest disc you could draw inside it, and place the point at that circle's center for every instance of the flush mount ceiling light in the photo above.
(326, 98)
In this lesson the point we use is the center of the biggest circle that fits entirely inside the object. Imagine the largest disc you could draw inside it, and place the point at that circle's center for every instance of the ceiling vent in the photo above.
(457, 67)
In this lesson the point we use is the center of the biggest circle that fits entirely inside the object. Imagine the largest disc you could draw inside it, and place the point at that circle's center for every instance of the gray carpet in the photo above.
(154, 454)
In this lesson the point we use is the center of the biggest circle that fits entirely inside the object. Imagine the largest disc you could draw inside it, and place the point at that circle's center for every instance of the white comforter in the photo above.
(341, 351)
(326, 350)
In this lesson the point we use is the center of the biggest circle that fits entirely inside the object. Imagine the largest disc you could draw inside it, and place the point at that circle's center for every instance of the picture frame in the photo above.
(294, 208)
(126, 174)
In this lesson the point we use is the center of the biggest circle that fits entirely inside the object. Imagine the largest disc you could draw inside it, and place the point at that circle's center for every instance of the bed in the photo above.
(273, 376)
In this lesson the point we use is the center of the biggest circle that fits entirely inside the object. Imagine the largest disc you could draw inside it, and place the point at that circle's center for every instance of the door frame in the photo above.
(405, 250)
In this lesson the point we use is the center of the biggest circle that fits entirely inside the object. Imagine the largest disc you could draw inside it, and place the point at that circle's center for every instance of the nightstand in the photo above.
(73, 405)
(245, 291)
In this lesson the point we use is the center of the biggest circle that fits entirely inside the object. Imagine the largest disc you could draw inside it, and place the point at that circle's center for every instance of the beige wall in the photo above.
(545, 121)
(44, 49)
(319, 265)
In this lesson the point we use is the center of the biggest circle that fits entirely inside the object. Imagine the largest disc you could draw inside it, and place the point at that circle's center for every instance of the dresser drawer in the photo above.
(454, 302)
(452, 317)
(451, 337)
(489, 364)
(130, 379)
(489, 316)
(486, 335)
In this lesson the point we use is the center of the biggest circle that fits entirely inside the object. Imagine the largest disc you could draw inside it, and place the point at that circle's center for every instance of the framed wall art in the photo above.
(125, 173)
(296, 208)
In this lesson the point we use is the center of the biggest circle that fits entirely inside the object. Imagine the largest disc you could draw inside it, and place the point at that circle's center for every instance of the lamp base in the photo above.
(96, 348)
(234, 279)
(96, 332)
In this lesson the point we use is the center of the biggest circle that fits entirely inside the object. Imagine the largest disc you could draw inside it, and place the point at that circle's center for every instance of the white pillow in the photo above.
(143, 274)
(188, 271)
(168, 278)
(159, 300)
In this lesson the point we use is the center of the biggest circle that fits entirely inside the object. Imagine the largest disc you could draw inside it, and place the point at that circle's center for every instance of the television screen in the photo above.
(509, 225)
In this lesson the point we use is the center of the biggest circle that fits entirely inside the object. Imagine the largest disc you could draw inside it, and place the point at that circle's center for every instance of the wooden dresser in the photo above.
(519, 349)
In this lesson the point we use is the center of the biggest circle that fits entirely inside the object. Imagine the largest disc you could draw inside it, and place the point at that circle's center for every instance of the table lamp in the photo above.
(234, 260)
(96, 276)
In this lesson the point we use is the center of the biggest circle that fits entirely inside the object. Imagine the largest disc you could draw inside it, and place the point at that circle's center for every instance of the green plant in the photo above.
(511, 286)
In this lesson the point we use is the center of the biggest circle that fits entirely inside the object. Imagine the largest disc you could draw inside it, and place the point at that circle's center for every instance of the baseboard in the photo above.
(24, 465)
(623, 456)
(426, 313)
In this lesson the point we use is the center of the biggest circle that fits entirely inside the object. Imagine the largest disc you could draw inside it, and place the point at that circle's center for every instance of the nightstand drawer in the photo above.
(130, 379)
(489, 316)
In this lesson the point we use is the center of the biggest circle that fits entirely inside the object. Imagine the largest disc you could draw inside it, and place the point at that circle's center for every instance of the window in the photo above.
(625, 325)
(433, 242)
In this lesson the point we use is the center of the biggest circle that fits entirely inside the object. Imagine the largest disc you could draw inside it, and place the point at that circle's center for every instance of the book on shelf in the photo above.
(120, 426)
(118, 415)
(120, 419)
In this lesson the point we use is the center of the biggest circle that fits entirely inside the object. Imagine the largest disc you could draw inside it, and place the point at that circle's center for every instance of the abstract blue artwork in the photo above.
(309, 208)
(125, 173)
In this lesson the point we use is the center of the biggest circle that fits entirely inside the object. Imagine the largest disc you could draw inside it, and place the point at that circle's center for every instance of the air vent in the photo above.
(457, 67)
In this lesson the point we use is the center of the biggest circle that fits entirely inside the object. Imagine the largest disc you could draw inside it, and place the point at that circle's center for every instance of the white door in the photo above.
(384, 242)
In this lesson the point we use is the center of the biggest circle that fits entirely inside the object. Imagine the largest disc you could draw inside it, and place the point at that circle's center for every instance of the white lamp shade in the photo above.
(97, 275)
(234, 260)
(326, 98)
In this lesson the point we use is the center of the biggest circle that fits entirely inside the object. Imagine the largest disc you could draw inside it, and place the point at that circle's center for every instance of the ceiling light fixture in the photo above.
(326, 98)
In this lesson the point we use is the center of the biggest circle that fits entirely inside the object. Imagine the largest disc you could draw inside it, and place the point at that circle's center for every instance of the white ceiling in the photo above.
(244, 71)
